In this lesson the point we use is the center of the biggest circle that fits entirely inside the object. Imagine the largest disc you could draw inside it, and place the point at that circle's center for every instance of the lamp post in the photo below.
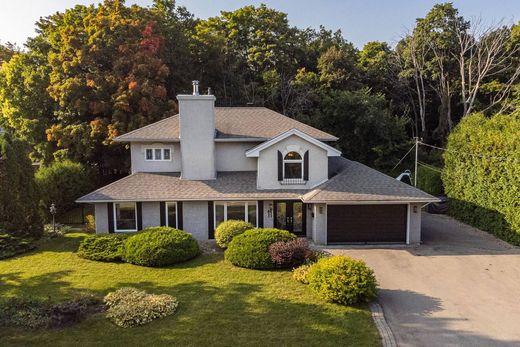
(52, 209)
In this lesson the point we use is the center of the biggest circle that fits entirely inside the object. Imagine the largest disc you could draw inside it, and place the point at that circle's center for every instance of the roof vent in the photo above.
(195, 87)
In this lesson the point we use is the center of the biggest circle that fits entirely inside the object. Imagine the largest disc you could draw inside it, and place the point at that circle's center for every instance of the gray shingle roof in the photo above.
(158, 186)
(231, 122)
(353, 182)
(357, 182)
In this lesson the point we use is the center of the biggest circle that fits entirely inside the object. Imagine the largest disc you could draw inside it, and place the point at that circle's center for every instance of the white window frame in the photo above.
(115, 217)
(176, 213)
(246, 214)
(162, 149)
(292, 161)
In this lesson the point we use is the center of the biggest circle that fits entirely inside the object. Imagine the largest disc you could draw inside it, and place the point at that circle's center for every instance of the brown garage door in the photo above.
(366, 223)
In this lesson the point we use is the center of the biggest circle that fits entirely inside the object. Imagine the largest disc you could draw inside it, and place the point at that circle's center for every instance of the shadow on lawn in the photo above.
(245, 314)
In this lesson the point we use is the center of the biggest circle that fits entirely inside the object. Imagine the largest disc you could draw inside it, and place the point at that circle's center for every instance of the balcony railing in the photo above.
(293, 181)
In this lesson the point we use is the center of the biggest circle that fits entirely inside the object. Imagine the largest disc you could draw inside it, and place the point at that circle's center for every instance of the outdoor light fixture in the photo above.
(321, 209)
(415, 209)
(270, 211)
(52, 210)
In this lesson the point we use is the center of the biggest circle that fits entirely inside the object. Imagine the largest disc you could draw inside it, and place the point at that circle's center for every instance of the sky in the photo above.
(359, 20)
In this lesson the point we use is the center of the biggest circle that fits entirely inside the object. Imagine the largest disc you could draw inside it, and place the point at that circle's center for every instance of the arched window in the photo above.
(293, 166)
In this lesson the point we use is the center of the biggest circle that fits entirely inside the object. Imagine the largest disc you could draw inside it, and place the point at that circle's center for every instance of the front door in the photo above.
(290, 216)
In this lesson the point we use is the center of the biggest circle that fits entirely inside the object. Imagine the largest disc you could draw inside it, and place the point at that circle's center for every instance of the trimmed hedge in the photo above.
(160, 246)
(251, 249)
(484, 186)
(229, 229)
(342, 280)
(103, 247)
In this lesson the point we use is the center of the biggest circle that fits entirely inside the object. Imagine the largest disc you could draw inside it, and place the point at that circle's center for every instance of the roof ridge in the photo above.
(146, 126)
(392, 178)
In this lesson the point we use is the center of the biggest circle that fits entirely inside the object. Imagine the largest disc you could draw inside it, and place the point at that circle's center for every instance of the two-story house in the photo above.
(209, 164)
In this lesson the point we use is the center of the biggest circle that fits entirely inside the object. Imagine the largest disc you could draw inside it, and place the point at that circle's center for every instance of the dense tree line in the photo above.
(94, 72)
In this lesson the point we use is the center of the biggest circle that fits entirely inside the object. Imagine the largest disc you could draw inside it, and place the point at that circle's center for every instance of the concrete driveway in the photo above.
(461, 287)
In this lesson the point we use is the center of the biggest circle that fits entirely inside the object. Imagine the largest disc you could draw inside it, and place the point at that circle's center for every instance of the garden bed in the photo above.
(220, 304)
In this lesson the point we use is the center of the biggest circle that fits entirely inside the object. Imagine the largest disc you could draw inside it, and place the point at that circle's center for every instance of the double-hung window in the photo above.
(125, 216)
(158, 154)
(238, 210)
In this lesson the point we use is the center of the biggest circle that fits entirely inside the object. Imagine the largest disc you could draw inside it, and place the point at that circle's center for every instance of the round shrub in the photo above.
(342, 280)
(229, 229)
(291, 253)
(160, 246)
(102, 247)
(251, 249)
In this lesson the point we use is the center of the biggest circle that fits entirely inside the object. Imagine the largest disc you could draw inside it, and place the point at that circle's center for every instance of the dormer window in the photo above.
(293, 166)
(158, 154)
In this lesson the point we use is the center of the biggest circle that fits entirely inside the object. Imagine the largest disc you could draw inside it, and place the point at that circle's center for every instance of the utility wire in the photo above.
(429, 167)
(472, 154)
(404, 156)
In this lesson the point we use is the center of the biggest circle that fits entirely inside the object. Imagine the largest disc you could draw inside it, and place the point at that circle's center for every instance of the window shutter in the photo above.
(280, 166)
(306, 166)
(260, 214)
(139, 206)
(211, 227)
(179, 217)
(110, 211)
(162, 212)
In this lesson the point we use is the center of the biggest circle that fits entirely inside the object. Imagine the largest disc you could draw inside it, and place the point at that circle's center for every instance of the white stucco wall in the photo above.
(267, 177)
(319, 226)
(231, 156)
(101, 215)
(195, 218)
(151, 214)
(197, 136)
(414, 228)
(309, 221)
(139, 164)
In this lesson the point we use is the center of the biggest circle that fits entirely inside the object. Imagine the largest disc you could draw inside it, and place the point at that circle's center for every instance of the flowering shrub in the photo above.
(229, 229)
(342, 280)
(128, 307)
(291, 253)
(300, 273)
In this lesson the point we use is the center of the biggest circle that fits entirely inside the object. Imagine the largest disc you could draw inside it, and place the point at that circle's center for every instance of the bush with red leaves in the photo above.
(291, 253)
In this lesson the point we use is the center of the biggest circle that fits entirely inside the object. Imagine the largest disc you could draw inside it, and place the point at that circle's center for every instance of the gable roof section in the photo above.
(232, 123)
(359, 183)
(255, 151)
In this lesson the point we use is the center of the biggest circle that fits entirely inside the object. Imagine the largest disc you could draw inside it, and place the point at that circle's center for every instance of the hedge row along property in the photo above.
(482, 174)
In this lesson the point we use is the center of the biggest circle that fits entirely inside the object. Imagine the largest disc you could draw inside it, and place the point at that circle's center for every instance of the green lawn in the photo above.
(219, 304)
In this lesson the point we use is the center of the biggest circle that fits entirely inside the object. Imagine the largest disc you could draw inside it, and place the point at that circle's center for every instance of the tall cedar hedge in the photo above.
(19, 213)
(482, 174)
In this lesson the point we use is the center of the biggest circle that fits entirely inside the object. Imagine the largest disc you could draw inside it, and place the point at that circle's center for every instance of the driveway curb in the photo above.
(387, 337)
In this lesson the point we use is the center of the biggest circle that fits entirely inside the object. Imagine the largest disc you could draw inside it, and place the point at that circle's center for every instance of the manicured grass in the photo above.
(219, 304)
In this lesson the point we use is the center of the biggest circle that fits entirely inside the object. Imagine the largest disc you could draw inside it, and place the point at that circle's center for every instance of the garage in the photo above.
(366, 223)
